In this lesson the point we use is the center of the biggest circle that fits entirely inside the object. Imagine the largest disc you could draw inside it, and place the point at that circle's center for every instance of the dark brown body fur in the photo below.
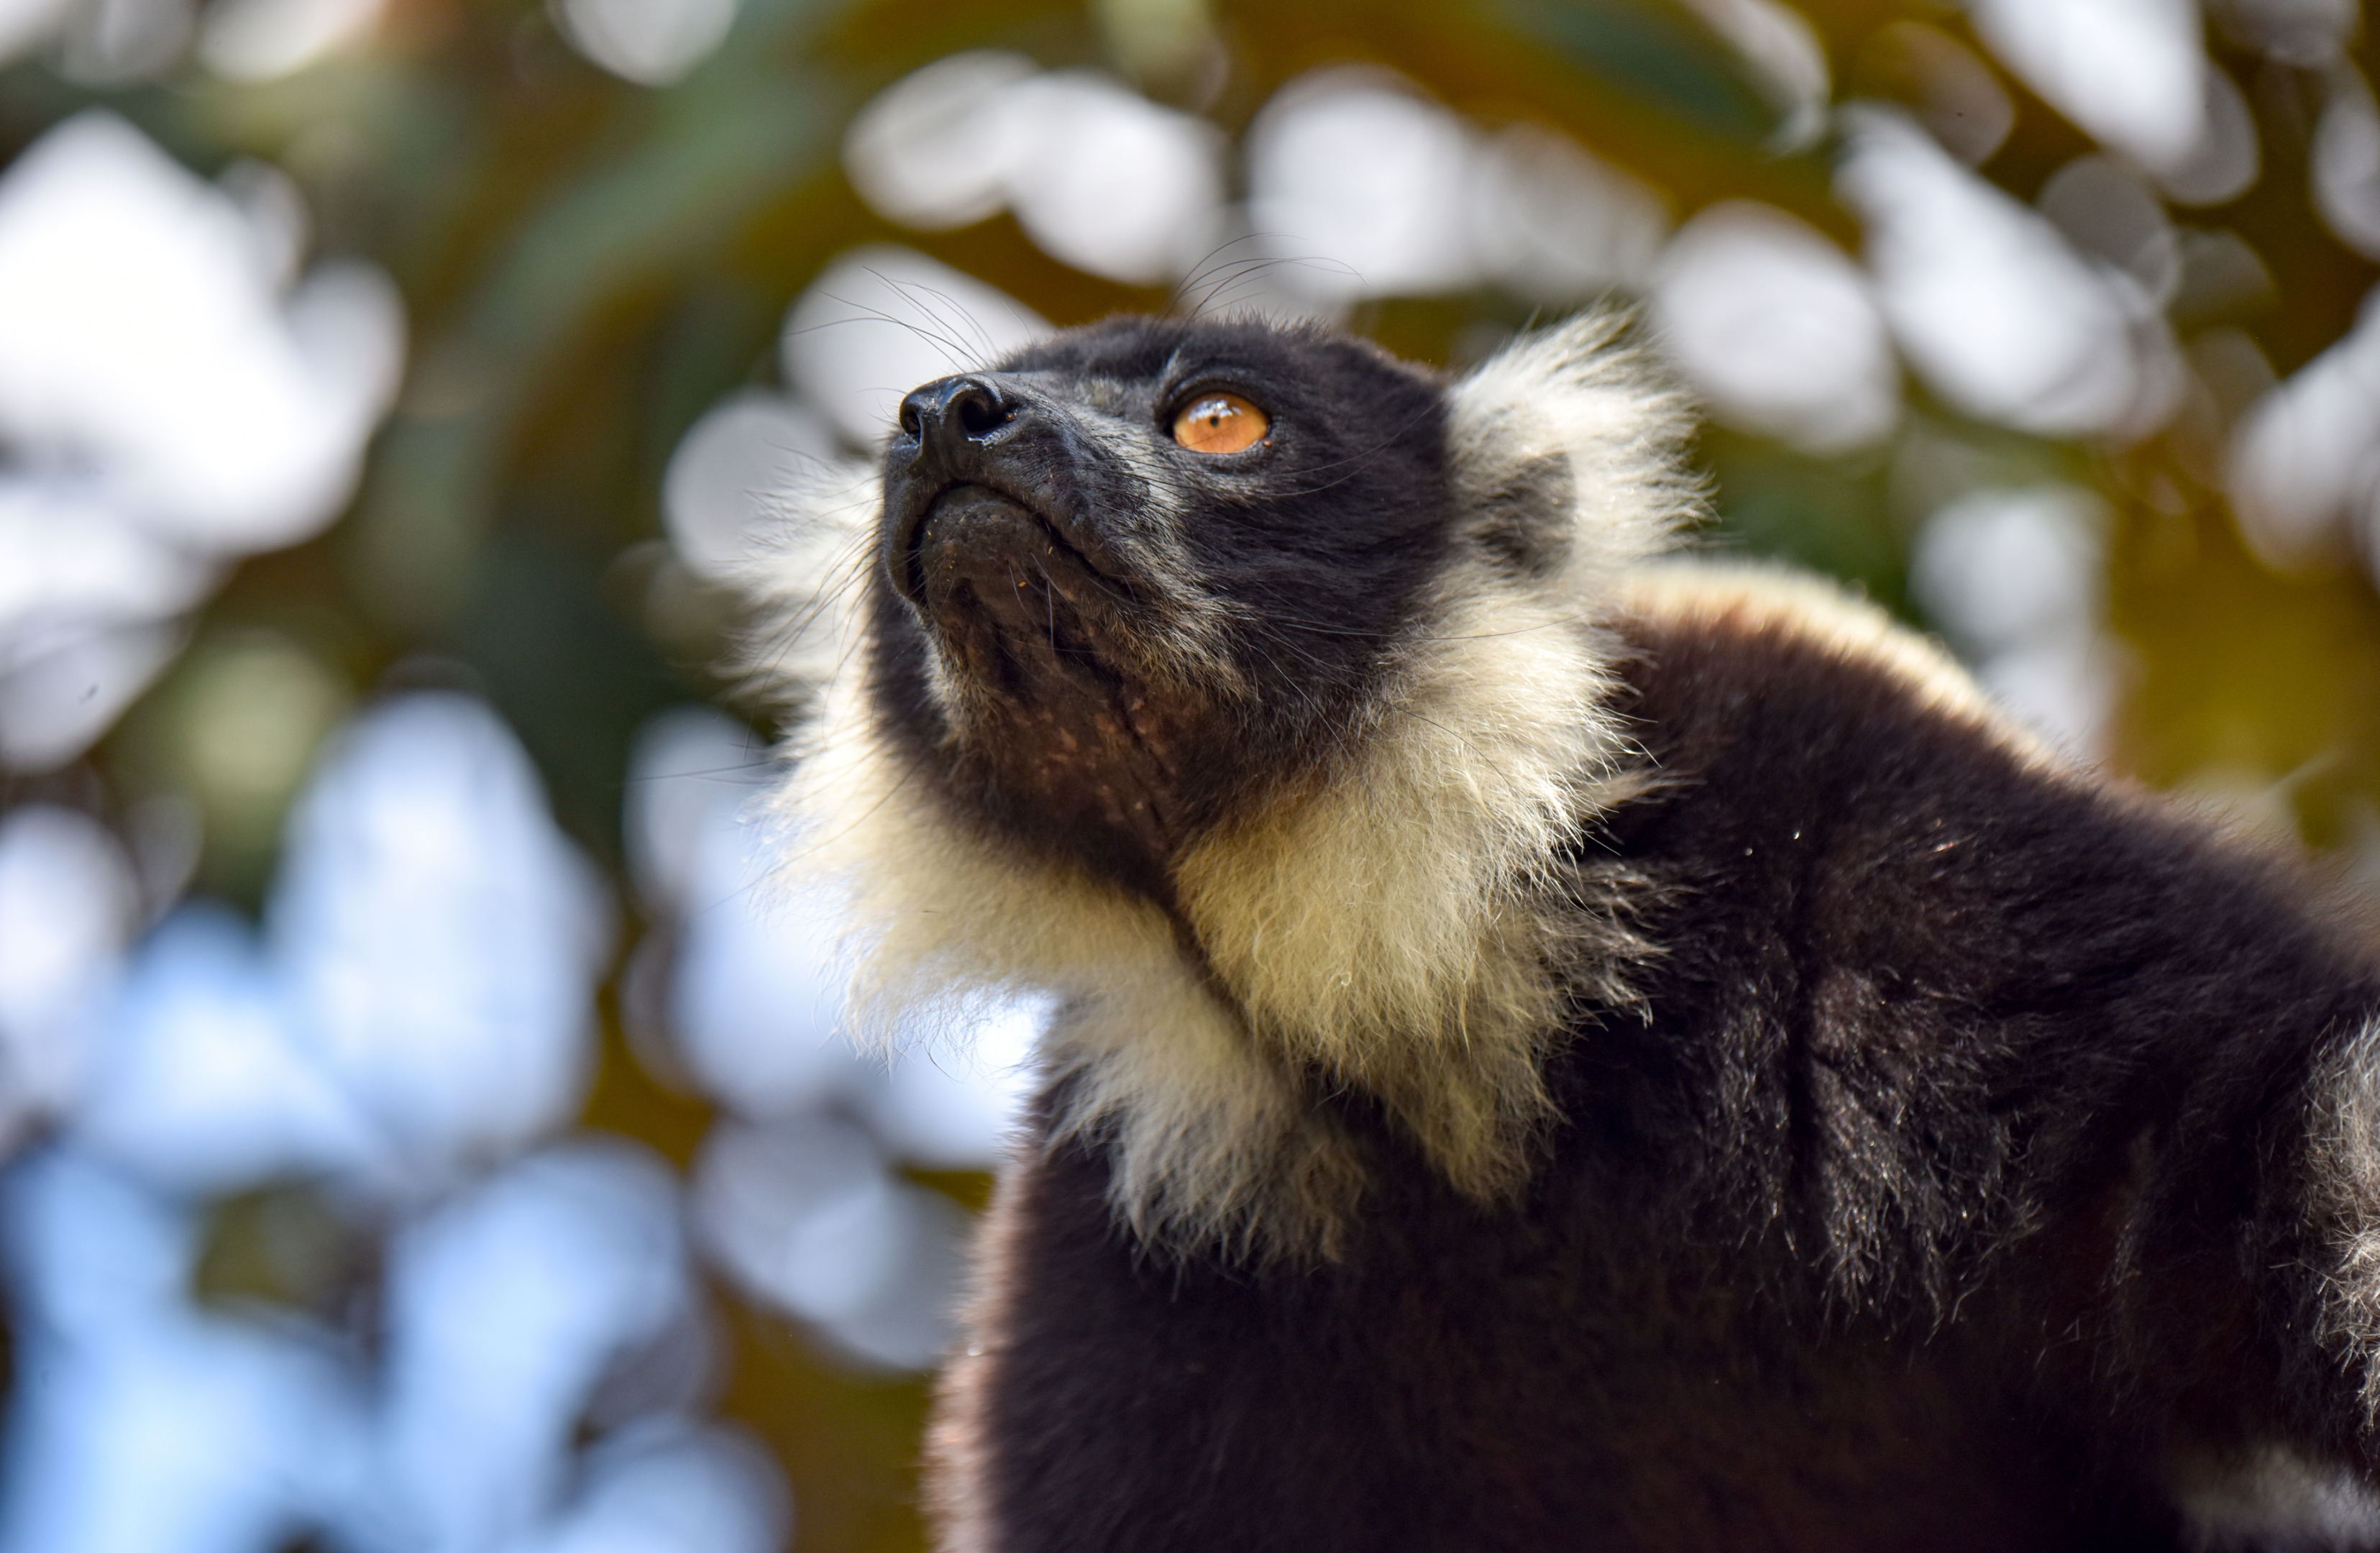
(1954, 1189)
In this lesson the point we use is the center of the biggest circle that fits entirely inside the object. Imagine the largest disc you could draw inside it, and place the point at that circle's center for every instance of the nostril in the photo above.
(980, 412)
(909, 419)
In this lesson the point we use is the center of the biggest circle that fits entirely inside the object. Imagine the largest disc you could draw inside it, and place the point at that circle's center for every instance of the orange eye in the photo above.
(1219, 423)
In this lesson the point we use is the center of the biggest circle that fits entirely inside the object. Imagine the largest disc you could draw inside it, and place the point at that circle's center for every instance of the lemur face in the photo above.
(1146, 571)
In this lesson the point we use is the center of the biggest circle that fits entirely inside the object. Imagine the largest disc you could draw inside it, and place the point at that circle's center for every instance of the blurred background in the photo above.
(419, 1132)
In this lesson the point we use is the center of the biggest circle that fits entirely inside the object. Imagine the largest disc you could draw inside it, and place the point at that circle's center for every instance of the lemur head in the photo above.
(1145, 575)
(1245, 685)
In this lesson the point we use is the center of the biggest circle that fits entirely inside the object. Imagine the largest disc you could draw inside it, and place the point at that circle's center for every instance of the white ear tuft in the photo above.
(1575, 399)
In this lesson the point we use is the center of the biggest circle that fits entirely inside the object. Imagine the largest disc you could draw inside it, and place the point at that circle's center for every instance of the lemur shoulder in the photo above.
(1559, 1045)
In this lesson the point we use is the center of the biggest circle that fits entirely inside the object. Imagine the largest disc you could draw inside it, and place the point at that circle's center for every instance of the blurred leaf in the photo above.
(285, 1245)
(1656, 55)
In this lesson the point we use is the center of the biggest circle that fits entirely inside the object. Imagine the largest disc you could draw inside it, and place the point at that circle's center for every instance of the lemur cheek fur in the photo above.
(1558, 1045)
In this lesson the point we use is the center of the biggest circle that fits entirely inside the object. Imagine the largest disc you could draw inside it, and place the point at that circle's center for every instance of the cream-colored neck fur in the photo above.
(1396, 926)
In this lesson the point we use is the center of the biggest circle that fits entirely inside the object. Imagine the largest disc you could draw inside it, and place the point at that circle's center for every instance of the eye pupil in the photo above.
(1218, 423)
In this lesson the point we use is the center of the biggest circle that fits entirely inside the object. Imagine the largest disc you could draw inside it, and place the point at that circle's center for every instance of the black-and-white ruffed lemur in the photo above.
(1558, 1048)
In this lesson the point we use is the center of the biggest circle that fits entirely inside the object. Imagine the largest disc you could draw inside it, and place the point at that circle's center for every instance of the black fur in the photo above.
(1958, 1183)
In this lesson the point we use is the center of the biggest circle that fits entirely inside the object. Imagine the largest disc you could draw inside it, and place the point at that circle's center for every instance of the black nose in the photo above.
(950, 412)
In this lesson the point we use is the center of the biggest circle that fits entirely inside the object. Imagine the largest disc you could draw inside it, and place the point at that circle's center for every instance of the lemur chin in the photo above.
(1558, 1046)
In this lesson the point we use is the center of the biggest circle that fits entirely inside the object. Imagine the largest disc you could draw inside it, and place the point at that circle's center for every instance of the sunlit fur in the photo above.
(1382, 923)
(2344, 1165)
(2276, 1498)
(1766, 596)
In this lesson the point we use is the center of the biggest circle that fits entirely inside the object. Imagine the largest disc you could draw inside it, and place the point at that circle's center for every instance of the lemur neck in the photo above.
(1387, 927)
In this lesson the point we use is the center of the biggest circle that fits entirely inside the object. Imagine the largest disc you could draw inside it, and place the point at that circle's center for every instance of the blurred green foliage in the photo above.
(589, 264)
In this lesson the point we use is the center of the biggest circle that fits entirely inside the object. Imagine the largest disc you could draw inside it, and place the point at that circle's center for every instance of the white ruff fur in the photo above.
(2346, 1191)
(1386, 926)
